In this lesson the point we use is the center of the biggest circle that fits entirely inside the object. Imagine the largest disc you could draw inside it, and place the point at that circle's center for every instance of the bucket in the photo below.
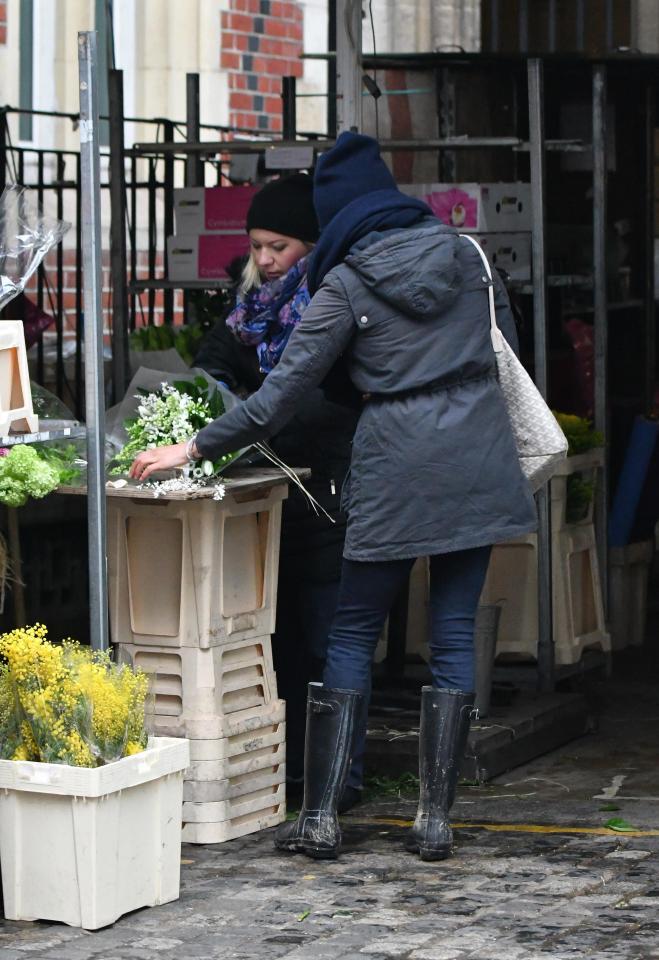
(486, 627)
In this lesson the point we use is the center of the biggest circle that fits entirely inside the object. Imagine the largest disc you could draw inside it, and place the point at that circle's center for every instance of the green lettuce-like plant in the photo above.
(34, 471)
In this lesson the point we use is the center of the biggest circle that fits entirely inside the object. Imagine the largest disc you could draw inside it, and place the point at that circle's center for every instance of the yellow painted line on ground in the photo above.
(518, 828)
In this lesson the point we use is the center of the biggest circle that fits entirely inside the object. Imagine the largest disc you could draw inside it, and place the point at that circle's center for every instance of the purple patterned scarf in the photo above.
(266, 316)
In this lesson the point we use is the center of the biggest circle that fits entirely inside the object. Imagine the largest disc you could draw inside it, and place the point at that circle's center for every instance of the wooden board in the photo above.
(532, 725)
(246, 479)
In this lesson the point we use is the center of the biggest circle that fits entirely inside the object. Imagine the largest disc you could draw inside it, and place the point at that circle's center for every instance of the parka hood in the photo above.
(416, 270)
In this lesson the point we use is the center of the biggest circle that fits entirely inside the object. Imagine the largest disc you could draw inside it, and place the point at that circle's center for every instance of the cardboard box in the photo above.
(205, 256)
(477, 207)
(510, 252)
(211, 209)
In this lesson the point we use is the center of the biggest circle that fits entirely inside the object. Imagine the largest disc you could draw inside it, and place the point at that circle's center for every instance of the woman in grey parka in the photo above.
(434, 469)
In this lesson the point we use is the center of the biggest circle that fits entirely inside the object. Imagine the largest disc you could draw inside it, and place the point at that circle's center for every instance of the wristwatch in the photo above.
(191, 451)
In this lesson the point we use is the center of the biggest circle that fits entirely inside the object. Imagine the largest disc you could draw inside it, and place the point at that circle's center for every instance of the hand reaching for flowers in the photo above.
(158, 458)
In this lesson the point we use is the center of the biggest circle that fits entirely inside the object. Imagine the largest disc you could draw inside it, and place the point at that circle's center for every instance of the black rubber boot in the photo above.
(443, 732)
(330, 724)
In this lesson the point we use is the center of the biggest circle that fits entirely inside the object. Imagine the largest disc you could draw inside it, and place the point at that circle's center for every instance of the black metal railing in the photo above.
(54, 175)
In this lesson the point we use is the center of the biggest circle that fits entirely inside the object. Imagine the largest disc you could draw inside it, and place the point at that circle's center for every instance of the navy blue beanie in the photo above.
(350, 169)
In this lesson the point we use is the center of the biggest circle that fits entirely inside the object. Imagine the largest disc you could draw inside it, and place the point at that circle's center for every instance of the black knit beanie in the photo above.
(285, 206)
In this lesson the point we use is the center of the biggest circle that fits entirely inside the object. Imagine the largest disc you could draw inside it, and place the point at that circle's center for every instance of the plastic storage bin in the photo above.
(85, 846)
(629, 570)
(512, 580)
(194, 573)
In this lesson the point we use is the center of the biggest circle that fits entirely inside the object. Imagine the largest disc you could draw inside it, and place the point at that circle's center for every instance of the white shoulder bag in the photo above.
(541, 444)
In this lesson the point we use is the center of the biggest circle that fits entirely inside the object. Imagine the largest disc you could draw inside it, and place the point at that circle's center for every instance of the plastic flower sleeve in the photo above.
(26, 236)
(147, 381)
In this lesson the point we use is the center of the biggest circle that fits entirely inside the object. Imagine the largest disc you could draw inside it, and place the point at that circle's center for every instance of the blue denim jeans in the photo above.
(366, 594)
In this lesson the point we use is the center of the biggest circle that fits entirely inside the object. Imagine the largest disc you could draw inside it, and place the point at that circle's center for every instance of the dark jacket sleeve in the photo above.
(323, 334)
(225, 358)
(504, 313)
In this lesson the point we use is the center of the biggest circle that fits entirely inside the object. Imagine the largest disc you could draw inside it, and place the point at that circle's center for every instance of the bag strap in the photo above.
(495, 332)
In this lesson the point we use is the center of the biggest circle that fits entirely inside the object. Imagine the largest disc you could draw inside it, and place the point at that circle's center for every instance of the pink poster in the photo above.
(217, 250)
(225, 208)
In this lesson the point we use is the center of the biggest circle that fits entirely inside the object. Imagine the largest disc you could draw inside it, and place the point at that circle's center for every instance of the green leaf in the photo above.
(606, 807)
(303, 916)
(620, 825)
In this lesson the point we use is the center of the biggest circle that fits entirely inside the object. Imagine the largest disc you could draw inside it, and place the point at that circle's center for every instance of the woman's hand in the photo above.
(159, 458)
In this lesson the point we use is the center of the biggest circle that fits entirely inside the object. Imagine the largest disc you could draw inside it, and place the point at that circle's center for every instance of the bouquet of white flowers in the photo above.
(172, 414)
(159, 410)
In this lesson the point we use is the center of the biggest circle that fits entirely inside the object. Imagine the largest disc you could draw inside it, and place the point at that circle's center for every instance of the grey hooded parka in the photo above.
(434, 467)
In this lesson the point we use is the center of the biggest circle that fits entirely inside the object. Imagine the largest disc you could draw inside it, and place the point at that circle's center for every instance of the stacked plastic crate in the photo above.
(192, 586)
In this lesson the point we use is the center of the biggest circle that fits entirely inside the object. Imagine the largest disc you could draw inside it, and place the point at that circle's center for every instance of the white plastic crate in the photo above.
(241, 745)
(235, 802)
(215, 791)
(512, 580)
(15, 394)
(218, 726)
(629, 570)
(247, 814)
(208, 770)
(194, 573)
(190, 683)
(85, 846)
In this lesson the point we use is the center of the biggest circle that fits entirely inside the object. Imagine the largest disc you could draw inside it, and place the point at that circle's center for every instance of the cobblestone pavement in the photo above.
(536, 874)
(506, 894)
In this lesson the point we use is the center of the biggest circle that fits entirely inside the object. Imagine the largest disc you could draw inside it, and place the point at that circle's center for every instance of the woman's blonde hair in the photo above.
(250, 278)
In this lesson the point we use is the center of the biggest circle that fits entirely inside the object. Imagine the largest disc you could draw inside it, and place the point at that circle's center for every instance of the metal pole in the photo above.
(194, 166)
(168, 219)
(537, 158)
(331, 69)
(650, 225)
(553, 26)
(348, 65)
(600, 318)
(118, 255)
(289, 119)
(3, 149)
(194, 176)
(94, 392)
(609, 26)
(580, 25)
(494, 26)
(523, 25)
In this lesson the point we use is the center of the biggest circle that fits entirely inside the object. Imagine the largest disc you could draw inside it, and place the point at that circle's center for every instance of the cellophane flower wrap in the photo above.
(172, 414)
(66, 703)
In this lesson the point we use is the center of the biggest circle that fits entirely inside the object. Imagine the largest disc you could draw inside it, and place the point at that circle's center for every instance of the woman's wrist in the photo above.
(191, 451)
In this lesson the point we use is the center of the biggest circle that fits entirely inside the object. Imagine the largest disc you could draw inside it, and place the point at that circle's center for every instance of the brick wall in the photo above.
(68, 291)
(3, 22)
(261, 43)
